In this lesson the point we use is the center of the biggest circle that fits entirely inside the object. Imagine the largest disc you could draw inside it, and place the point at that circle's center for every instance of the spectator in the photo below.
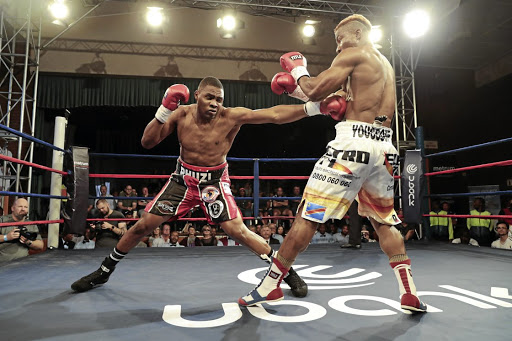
(66, 241)
(465, 239)
(141, 203)
(503, 241)
(108, 233)
(245, 206)
(321, 236)
(175, 239)
(165, 238)
(279, 207)
(280, 231)
(266, 233)
(441, 228)
(409, 231)
(191, 240)
(104, 192)
(365, 235)
(331, 227)
(507, 210)
(13, 244)
(208, 239)
(342, 237)
(273, 229)
(85, 241)
(127, 204)
(294, 204)
(445, 205)
(153, 236)
(480, 229)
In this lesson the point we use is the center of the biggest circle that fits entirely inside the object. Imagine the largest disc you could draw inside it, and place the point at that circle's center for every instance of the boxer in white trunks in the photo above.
(358, 163)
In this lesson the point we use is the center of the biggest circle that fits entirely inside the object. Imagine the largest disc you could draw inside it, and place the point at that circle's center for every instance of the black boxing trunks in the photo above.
(190, 186)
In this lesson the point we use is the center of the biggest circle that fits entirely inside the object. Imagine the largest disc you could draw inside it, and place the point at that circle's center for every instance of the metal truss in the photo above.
(404, 57)
(293, 8)
(188, 51)
(20, 39)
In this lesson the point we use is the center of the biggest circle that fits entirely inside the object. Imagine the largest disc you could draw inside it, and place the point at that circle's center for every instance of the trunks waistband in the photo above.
(356, 129)
(200, 172)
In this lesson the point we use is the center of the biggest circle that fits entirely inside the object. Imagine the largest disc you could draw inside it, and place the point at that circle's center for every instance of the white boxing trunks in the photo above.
(359, 162)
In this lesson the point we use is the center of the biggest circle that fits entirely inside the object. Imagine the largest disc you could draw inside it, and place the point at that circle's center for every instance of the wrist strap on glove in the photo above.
(162, 114)
(312, 108)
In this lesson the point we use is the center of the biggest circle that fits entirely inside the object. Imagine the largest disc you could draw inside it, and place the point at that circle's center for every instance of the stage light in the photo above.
(416, 23)
(228, 23)
(154, 16)
(375, 34)
(308, 31)
(59, 9)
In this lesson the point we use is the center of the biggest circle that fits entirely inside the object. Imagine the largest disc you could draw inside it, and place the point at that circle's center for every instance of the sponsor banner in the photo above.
(412, 180)
(80, 197)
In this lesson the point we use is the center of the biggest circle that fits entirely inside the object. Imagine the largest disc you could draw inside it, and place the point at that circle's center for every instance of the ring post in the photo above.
(256, 188)
(420, 144)
(56, 182)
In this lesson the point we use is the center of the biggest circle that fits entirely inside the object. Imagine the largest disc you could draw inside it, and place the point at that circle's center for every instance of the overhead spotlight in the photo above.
(308, 31)
(228, 24)
(376, 34)
(154, 16)
(416, 23)
(58, 9)
(312, 22)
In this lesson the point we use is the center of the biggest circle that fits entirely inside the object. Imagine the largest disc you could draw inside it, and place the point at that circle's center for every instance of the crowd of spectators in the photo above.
(274, 221)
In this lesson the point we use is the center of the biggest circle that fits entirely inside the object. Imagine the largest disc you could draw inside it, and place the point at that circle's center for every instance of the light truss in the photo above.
(277, 7)
(176, 50)
(20, 39)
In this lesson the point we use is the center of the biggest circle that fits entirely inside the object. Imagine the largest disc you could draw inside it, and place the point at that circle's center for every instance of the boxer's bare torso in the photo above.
(372, 85)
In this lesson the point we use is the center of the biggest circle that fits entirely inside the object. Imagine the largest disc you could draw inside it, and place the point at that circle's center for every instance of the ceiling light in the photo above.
(308, 31)
(58, 9)
(154, 16)
(416, 23)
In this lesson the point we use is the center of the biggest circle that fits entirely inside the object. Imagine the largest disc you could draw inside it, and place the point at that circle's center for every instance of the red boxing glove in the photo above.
(283, 82)
(173, 97)
(295, 63)
(335, 106)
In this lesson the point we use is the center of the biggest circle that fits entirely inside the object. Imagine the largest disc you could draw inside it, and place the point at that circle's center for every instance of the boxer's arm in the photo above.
(280, 114)
(332, 79)
(155, 131)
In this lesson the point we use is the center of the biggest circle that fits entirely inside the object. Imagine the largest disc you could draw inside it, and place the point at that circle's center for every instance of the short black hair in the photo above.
(502, 222)
(210, 81)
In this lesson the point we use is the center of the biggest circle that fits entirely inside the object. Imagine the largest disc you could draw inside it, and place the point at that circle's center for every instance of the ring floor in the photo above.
(191, 294)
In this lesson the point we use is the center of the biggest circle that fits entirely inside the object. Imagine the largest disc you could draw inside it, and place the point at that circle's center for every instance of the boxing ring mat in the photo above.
(181, 294)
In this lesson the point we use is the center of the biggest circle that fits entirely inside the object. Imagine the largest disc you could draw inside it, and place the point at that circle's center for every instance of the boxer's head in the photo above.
(209, 96)
(352, 31)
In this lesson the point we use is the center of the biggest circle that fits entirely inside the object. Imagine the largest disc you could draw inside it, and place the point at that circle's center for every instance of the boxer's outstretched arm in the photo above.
(332, 79)
(279, 114)
(155, 132)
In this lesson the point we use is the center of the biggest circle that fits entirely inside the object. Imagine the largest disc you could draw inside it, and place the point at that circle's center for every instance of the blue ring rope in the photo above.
(167, 157)
(31, 138)
(470, 147)
(21, 194)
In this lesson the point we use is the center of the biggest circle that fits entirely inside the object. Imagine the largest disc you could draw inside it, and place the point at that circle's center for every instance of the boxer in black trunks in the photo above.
(206, 131)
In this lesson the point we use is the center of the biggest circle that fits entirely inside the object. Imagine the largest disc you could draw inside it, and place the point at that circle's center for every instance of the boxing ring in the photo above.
(191, 293)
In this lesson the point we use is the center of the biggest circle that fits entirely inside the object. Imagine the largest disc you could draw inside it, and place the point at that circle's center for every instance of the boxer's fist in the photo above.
(173, 97)
(295, 63)
(335, 106)
(283, 82)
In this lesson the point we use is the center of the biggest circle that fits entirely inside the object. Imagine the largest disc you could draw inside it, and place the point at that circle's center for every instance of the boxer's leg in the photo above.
(128, 241)
(295, 242)
(392, 243)
(239, 232)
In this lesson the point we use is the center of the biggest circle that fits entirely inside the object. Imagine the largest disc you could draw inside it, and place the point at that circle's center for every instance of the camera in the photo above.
(97, 225)
(27, 234)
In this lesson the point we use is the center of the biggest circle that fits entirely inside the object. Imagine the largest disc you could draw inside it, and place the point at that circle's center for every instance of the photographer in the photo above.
(107, 233)
(15, 241)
